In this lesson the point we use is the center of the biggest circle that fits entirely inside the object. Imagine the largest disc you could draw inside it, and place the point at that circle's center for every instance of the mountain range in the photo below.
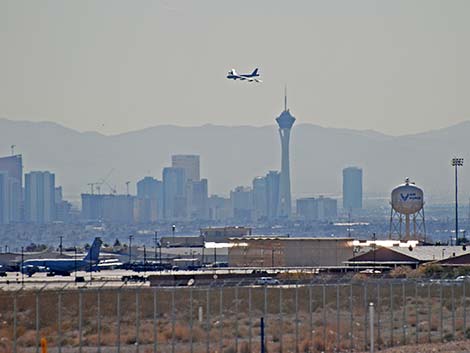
(234, 155)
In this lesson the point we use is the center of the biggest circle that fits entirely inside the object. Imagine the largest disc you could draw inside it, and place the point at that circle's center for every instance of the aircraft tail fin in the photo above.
(94, 252)
(255, 72)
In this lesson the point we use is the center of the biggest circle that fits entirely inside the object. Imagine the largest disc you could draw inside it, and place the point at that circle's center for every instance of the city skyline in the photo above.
(248, 160)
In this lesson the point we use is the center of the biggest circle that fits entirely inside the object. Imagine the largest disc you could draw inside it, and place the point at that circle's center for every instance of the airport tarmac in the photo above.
(114, 278)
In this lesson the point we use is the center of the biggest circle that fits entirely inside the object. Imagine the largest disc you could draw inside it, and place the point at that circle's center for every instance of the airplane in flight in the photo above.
(63, 267)
(232, 75)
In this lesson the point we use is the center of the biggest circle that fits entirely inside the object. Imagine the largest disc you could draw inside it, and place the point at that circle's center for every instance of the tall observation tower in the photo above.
(285, 122)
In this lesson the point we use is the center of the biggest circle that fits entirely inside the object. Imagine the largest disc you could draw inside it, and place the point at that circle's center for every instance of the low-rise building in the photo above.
(282, 251)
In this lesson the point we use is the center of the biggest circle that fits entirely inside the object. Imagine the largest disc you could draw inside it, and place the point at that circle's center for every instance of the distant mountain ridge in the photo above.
(234, 155)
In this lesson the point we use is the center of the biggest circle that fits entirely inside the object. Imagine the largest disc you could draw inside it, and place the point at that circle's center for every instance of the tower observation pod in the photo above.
(407, 212)
(285, 122)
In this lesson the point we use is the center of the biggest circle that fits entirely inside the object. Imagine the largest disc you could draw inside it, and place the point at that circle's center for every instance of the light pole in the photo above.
(173, 229)
(60, 244)
(22, 268)
(456, 162)
(130, 248)
(75, 262)
(155, 240)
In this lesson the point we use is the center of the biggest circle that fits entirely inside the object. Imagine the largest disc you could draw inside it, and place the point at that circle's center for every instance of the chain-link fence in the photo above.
(298, 317)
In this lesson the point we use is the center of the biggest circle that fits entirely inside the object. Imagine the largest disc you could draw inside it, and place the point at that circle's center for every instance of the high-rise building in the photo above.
(174, 194)
(92, 207)
(149, 200)
(242, 203)
(4, 198)
(13, 165)
(39, 197)
(352, 188)
(273, 180)
(220, 208)
(190, 164)
(260, 199)
(285, 122)
(317, 209)
(119, 208)
(197, 199)
(109, 208)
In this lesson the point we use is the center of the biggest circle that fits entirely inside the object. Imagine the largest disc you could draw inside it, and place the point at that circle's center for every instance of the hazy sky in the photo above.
(398, 66)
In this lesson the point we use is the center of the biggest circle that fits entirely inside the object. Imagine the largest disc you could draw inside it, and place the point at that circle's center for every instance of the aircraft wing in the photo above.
(253, 80)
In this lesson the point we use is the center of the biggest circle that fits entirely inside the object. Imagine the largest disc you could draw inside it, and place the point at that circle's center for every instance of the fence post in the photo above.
(296, 317)
(310, 310)
(453, 310)
(392, 328)
(441, 313)
(221, 318)
(14, 321)
(371, 324)
(208, 321)
(59, 321)
(280, 320)
(351, 322)
(262, 336)
(118, 314)
(249, 320)
(404, 321)
(236, 318)
(378, 309)
(191, 319)
(173, 319)
(464, 308)
(98, 310)
(365, 316)
(338, 337)
(155, 331)
(416, 313)
(80, 320)
(137, 319)
(429, 312)
(37, 322)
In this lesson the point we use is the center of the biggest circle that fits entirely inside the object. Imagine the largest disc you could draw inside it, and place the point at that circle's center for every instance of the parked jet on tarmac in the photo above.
(63, 266)
(232, 75)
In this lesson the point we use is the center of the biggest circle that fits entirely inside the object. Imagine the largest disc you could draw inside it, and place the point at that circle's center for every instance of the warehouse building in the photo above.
(289, 252)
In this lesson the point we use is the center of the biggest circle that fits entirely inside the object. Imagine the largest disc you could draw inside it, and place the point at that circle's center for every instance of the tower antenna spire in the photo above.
(285, 97)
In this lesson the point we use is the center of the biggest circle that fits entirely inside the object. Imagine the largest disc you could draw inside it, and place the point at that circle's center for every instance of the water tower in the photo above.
(407, 212)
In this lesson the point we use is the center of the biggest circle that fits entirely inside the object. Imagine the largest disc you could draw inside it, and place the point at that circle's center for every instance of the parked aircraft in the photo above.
(232, 75)
(63, 266)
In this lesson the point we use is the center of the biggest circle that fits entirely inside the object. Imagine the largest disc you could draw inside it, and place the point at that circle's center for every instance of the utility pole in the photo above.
(130, 248)
(60, 243)
(22, 268)
(127, 187)
(155, 240)
(456, 162)
(12, 149)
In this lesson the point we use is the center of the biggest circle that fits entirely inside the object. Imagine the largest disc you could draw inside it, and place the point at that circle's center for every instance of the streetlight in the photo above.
(173, 228)
(456, 162)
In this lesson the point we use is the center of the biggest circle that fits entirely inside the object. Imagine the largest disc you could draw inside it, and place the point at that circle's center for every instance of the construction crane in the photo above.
(99, 183)
(92, 185)
(104, 181)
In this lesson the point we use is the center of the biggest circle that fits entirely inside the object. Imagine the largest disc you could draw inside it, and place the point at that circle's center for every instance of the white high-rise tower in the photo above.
(285, 122)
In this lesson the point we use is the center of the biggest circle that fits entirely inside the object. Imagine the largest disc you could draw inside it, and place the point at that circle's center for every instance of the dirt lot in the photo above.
(449, 347)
